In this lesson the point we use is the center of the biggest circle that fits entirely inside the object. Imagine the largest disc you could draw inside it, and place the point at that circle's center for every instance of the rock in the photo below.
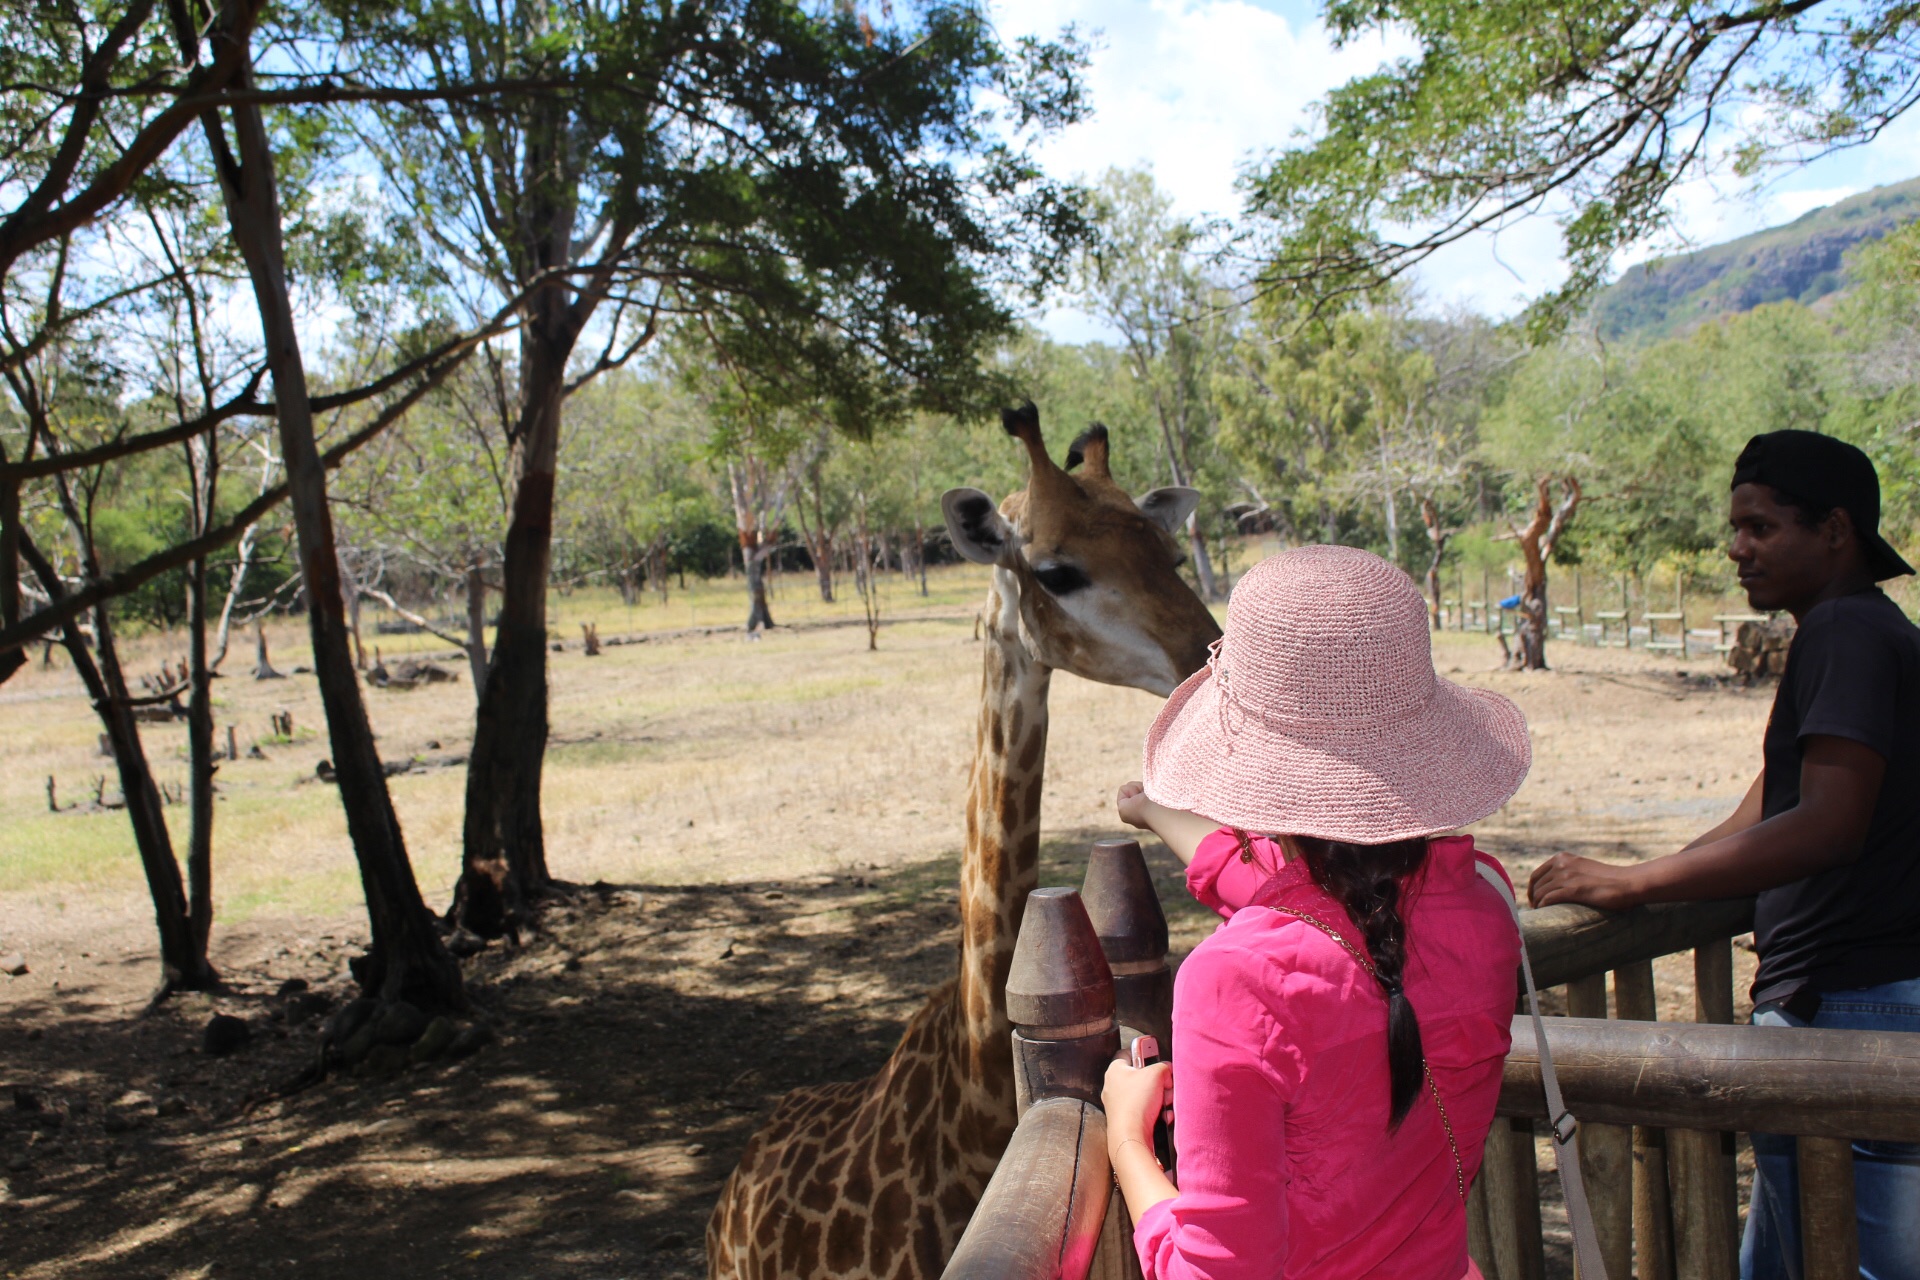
(225, 1034)
(172, 1105)
(292, 986)
(13, 964)
(399, 1023)
(20, 1163)
(464, 943)
(358, 1045)
(472, 1038)
(385, 1060)
(670, 1240)
(696, 1148)
(435, 1040)
(352, 1016)
(306, 1005)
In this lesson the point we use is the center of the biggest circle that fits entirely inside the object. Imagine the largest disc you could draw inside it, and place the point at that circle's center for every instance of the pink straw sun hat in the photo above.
(1319, 713)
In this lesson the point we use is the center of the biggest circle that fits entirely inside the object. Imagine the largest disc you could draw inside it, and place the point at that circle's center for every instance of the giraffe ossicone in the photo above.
(875, 1179)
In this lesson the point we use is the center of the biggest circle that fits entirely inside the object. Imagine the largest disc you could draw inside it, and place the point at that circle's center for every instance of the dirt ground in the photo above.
(769, 830)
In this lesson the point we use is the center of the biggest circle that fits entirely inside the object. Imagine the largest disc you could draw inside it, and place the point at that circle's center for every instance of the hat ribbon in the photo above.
(1218, 670)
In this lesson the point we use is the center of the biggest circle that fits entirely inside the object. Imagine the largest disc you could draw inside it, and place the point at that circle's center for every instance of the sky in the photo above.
(1194, 88)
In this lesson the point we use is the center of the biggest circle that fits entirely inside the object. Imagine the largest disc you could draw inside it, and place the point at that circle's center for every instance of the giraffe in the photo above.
(875, 1179)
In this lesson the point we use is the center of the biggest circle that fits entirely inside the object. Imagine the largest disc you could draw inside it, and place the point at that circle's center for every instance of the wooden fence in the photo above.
(1659, 1102)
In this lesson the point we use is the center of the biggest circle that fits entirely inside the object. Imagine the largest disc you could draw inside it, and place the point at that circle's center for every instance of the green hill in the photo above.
(1803, 260)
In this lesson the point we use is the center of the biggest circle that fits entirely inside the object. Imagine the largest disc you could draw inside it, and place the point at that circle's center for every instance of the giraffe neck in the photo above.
(1000, 865)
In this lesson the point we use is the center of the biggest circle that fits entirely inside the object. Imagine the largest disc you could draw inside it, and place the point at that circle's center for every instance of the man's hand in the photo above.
(1567, 877)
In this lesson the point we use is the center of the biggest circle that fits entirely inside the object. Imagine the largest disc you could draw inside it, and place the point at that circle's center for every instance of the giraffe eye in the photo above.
(1061, 579)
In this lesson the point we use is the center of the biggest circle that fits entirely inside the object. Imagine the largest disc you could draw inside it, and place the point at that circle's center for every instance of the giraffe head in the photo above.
(1092, 573)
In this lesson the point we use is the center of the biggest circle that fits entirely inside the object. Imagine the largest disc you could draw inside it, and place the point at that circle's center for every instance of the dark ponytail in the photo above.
(1366, 879)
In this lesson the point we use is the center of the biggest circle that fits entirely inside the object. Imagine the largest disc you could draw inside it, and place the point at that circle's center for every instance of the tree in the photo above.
(1142, 275)
(406, 960)
(1593, 112)
(828, 195)
(1537, 541)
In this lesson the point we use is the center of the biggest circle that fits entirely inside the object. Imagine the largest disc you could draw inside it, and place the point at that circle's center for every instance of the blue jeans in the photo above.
(1886, 1175)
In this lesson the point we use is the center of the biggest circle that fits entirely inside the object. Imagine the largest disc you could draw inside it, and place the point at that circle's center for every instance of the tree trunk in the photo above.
(200, 748)
(823, 568)
(1438, 536)
(504, 859)
(1202, 563)
(1536, 545)
(759, 616)
(920, 556)
(353, 624)
(406, 960)
(183, 961)
(11, 660)
(477, 626)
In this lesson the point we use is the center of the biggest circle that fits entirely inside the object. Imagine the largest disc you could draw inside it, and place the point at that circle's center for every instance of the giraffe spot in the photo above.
(859, 1184)
(843, 1242)
(919, 1089)
(957, 1202)
(892, 1210)
(1030, 755)
(928, 1248)
(791, 1242)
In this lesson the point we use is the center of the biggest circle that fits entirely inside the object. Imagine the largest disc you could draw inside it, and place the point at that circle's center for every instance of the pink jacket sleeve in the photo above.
(1232, 1079)
(1220, 878)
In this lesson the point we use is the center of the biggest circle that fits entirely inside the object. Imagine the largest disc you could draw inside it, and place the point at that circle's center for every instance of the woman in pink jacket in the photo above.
(1338, 1041)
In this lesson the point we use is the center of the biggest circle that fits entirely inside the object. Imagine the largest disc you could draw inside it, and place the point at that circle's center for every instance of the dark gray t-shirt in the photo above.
(1853, 672)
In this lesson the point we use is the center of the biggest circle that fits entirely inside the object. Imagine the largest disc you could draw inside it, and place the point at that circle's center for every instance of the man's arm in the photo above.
(1748, 814)
(1839, 787)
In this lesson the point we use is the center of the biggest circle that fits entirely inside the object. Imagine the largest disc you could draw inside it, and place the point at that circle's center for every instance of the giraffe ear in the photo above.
(1168, 507)
(979, 531)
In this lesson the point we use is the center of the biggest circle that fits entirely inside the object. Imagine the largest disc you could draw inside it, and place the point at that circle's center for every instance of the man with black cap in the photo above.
(1828, 836)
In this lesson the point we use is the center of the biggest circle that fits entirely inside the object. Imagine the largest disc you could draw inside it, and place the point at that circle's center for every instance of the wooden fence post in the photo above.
(1706, 1210)
(1060, 1001)
(1508, 1193)
(1829, 1228)
(1633, 999)
(1606, 1153)
(1126, 914)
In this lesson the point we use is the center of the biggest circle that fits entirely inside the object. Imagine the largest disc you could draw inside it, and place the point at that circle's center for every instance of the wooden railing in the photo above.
(1659, 1102)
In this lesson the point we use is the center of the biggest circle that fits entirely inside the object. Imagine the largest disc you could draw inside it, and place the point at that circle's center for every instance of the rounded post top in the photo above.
(1123, 904)
(1059, 979)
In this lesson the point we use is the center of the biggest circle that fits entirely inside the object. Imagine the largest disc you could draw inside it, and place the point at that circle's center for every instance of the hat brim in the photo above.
(1882, 560)
(1459, 759)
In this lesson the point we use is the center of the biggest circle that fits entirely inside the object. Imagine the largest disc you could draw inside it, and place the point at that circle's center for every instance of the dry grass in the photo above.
(786, 814)
(708, 758)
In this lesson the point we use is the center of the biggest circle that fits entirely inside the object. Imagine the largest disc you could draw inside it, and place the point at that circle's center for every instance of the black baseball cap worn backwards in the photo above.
(1823, 472)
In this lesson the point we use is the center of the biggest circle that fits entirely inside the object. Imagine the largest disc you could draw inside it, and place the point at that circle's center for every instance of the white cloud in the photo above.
(1194, 88)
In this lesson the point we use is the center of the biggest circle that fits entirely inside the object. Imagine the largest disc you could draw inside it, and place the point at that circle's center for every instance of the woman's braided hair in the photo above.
(1367, 879)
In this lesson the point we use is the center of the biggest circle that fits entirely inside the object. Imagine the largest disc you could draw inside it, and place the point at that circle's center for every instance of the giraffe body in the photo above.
(876, 1179)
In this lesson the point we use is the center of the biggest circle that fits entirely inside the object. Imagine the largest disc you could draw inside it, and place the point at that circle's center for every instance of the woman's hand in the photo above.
(1133, 806)
(1133, 1098)
(1567, 877)
(1180, 831)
